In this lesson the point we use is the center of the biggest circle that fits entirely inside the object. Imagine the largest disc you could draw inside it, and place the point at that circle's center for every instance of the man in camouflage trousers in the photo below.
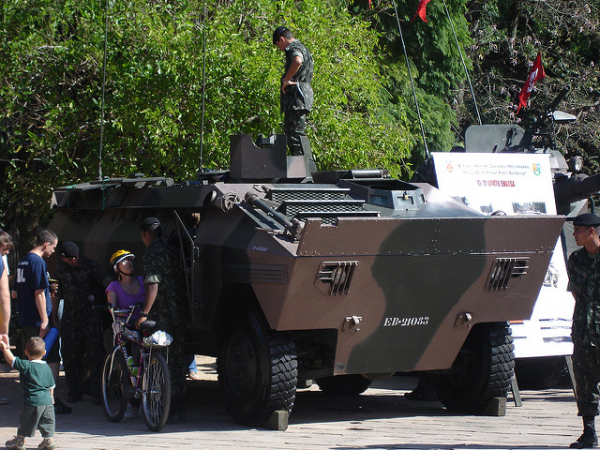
(81, 283)
(296, 96)
(164, 286)
(584, 283)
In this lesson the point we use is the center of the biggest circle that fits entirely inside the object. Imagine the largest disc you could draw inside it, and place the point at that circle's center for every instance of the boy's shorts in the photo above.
(37, 418)
(52, 355)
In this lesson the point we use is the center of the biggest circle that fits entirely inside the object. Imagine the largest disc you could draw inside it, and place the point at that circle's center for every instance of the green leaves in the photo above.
(157, 74)
(507, 37)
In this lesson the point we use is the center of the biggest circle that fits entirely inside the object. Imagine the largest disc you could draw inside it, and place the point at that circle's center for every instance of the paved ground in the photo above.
(380, 419)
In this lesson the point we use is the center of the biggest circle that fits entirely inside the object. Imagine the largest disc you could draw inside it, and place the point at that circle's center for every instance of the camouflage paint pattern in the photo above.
(399, 290)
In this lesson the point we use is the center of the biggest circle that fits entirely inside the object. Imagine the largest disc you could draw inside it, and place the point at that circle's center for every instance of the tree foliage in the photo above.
(157, 75)
(507, 37)
(435, 62)
(182, 76)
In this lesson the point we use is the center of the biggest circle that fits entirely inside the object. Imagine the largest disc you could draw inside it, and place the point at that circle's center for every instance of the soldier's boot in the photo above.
(296, 149)
(177, 413)
(588, 439)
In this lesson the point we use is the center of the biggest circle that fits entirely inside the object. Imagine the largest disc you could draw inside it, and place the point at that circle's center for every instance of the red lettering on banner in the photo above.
(496, 183)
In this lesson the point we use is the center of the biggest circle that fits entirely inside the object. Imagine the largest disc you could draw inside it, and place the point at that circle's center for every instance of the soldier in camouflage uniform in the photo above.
(81, 283)
(296, 94)
(584, 283)
(164, 285)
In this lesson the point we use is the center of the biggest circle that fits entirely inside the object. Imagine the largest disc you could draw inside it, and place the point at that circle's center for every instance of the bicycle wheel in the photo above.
(114, 381)
(156, 396)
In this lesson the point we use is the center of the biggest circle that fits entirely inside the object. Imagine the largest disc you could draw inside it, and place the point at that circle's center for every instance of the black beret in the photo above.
(586, 220)
(69, 249)
(149, 222)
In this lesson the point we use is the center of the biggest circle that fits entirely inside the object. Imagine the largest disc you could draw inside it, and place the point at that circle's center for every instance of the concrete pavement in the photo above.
(381, 418)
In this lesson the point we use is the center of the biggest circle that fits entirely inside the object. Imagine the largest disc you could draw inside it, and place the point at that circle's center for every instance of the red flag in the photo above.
(421, 10)
(536, 74)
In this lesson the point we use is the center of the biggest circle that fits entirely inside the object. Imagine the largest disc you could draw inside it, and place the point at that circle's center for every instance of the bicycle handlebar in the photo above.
(114, 312)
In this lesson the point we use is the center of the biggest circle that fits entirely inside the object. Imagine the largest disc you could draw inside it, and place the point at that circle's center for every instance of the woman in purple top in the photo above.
(128, 290)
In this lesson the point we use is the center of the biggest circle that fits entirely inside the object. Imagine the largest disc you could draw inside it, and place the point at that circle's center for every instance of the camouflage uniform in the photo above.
(584, 281)
(80, 328)
(297, 100)
(161, 266)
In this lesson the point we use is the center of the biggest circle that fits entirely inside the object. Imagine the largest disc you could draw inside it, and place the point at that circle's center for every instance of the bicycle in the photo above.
(120, 380)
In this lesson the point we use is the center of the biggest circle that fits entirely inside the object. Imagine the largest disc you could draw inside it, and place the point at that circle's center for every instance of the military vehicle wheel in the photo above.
(344, 385)
(258, 370)
(482, 370)
(540, 373)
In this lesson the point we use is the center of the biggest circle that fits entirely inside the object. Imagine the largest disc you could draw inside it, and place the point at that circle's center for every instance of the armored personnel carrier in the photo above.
(295, 275)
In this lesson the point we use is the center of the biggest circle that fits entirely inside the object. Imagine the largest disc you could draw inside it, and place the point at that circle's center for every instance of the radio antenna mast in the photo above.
(103, 91)
(412, 83)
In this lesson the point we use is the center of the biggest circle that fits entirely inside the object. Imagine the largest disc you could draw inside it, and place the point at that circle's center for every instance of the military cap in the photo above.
(586, 220)
(69, 249)
(149, 223)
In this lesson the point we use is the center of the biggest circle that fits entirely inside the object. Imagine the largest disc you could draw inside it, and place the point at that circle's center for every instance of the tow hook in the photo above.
(463, 320)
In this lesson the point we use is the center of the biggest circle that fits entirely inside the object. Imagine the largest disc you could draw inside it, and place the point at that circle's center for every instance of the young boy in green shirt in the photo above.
(37, 381)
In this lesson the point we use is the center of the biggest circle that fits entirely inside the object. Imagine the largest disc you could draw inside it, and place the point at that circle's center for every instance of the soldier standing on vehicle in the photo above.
(165, 291)
(81, 283)
(584, 283)
(296, 96)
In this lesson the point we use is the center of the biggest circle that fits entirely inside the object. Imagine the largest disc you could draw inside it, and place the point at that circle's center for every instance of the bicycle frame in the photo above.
(120, 342)
(151, 383)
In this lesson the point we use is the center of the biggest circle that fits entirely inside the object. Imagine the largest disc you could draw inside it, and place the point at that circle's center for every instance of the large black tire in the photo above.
(258, 369)
(115, 381)
(344, 385)
(540, 373)
(156, 397)
(482, 370)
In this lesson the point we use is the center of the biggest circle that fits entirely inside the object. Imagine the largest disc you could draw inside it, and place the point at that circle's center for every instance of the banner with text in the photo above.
(517, 184)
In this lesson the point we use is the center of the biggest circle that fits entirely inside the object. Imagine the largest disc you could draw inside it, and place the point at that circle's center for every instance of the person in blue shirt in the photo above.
(31, 288)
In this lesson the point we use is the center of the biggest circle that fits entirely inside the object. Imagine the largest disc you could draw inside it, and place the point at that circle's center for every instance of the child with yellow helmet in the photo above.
(127, 290)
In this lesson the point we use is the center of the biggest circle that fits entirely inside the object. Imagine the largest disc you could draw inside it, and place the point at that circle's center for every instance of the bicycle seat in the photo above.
(147, 325)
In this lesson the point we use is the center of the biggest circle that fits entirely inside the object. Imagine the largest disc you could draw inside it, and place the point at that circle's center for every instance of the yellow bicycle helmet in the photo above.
(119, 256)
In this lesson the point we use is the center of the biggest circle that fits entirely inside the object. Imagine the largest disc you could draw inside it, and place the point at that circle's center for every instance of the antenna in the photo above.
(463, 63)
(203, 83)
(103, 91)
(412, 83)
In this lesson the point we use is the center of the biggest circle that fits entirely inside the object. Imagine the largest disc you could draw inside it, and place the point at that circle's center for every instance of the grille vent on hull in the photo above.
(328, 204)
(281, 194)
(503, 270)
(334, 278)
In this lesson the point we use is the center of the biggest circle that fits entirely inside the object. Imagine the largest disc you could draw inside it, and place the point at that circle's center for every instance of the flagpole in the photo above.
(463, 62)
(412, 83)
(200, 162)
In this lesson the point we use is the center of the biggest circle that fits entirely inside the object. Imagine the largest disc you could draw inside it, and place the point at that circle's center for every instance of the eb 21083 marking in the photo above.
(405, 321)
